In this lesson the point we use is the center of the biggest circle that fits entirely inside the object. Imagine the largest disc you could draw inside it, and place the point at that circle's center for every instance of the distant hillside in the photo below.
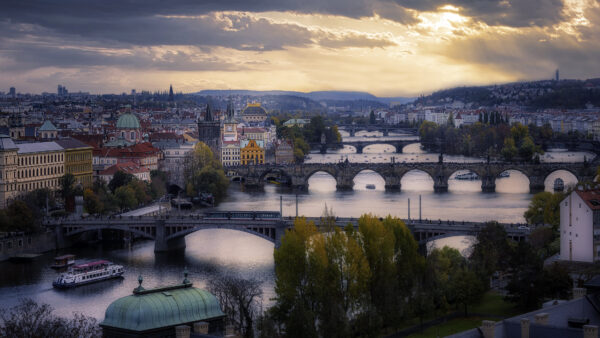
(319, 96)
(568, 94)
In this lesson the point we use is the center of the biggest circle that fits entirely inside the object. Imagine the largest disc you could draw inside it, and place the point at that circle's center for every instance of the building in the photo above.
(138, 171)
(12, 92)
(209, 130)
(580, 225)
(254, 113)
(8, 170)
(284, 152)
(78, 161)
(40, 165)
(47, 131)
(252, 153)
(143, 154)
(229, 131)
(172, 311)
(596, 129)
(173, 161)
(230, 153)
(296, 122)
(129, 131)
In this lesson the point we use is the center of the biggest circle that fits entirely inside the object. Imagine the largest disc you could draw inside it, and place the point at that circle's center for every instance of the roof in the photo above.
(128, 121)
(254, 109)
(591, 197)
(162, 307)
(38, 147)
(127, 167)
(90, 264)
(47, 126)
(6, 143)
(71, 143)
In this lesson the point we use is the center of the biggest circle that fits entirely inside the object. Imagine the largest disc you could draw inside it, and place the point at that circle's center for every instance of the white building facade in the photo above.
(580, 226)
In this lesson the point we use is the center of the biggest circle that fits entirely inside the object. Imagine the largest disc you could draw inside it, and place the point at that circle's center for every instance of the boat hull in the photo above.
(76, 284)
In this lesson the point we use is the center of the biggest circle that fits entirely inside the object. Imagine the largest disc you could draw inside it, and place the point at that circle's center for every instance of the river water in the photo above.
(211, 253)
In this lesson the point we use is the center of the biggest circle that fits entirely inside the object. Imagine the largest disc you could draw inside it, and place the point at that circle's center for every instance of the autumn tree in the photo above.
(204, 173)
(544, 208)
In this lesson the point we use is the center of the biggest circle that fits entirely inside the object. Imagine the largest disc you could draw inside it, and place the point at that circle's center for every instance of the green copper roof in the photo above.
(47, 126)
(163, 307)
(128, 121)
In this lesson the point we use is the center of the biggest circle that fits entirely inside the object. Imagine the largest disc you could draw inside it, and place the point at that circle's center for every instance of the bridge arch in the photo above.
(268, 237)
(381, 182)
(552, 175)
(519, 183)
(416, 181)
(280, 171)
(109, 227)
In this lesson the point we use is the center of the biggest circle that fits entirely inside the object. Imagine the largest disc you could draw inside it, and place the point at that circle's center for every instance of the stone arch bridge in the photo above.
(397, 144)
(169, 233)
(385, 129)
(344, 172)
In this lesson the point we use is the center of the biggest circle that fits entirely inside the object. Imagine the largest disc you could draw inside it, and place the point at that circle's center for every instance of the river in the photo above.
(211, 253)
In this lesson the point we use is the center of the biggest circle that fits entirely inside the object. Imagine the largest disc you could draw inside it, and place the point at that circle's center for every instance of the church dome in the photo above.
(128, 121)
(162, 307)
(254, 109)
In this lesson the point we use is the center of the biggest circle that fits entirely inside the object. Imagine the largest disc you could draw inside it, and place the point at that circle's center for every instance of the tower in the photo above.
(556, 77)
(209, 130)
(171, 93)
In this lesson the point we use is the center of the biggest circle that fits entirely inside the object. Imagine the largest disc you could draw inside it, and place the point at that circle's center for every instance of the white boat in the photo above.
(89, 272)
(504, 174)
(467, 176)
(370, 186)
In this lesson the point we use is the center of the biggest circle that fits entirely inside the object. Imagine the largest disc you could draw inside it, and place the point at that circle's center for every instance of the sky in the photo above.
(385, 47)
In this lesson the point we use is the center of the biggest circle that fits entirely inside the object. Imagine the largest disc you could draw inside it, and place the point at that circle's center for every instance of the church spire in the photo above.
(230, 111)
(171, 93)
(208, 117)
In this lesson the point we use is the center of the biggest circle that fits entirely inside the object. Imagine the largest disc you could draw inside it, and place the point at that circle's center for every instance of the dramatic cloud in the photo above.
(388, 47)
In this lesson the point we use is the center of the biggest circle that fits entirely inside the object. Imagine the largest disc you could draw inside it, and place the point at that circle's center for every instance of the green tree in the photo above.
(527, 148)
(204, 173)
(465, 288)
(125, 197)
(491, 253)
(509, 151)
(119, 179)
(544, 208)
(19, 217)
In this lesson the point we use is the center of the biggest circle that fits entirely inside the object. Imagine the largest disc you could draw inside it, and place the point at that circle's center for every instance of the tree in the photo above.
(92, 202)
(239, 299)
(125, 197)
(28, 319)
(509, 151)
(491, 252)
(120, 178)
(465, 288)
(544, 208)
(204, 173)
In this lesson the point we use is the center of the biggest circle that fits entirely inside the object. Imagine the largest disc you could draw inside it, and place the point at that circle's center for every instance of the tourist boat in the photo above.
(504, 174)
(467, 176)
(90, 272)
(63, 261)
(370, 186)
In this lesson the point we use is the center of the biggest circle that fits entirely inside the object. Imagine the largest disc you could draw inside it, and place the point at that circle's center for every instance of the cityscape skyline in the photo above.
(400, 48)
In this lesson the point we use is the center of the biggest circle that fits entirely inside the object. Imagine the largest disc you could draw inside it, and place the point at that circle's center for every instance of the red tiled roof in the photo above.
(591, 198)
(127, 167)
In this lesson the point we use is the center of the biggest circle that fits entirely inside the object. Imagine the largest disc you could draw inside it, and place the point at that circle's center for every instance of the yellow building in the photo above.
(252, 153)
(78, 161)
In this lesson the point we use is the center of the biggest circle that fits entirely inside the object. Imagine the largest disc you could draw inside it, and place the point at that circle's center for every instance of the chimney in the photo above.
(579, 293)
(590, 331)
(524, 327)
(201, 327)
(541, 318)
(182, 331)
(488, 327)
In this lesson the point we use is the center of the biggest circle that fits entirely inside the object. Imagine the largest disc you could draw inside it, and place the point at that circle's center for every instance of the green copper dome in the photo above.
(128, 121)
(159, 308)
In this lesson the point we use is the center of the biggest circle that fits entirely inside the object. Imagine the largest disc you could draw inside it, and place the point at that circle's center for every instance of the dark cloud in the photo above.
(515, 13)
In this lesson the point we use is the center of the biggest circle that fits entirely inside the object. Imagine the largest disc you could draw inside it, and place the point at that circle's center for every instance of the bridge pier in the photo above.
(440, 183)
(536, 184)
(488, 183)
(359, 148)
(253, 182)
(386, 132)
(61, 241)
(392, 183)
(323, 148)
(299, 183)
(344, 182)
(399, 148)
(161, 244)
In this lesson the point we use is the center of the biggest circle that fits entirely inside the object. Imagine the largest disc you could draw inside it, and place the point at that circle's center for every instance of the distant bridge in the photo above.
(385, 129)
(169, 232)
(344, 172)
